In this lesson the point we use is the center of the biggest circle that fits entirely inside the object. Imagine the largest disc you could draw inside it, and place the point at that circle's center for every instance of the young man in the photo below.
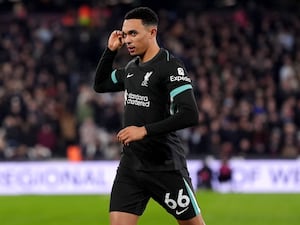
(158, 101)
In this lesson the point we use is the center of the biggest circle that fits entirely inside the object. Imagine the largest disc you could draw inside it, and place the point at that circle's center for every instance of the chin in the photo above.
(133, 53)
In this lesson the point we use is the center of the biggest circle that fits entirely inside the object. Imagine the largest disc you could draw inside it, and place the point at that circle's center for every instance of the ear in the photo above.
(153, 32)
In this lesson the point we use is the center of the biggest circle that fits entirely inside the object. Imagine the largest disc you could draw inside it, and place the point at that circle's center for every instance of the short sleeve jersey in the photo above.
(149, 90)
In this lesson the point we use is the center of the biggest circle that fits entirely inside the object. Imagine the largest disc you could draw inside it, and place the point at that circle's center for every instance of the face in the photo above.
(137, 37)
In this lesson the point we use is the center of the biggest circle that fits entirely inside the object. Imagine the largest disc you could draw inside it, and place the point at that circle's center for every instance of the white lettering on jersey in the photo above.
(146, 79)
(136, 99)
(179, 78)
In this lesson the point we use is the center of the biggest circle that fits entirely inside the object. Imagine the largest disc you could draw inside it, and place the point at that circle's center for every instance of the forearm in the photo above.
(104, 68)
(186, 116)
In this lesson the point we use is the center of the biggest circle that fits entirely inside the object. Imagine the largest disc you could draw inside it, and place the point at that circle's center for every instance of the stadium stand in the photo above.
(244, 60)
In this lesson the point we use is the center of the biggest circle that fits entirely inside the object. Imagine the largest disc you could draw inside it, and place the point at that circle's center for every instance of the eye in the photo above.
(133, 33)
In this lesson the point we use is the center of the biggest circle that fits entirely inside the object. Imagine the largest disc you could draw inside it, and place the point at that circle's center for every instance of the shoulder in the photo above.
(173, 65)
(132, 63)
(169, 56)
(170, 60)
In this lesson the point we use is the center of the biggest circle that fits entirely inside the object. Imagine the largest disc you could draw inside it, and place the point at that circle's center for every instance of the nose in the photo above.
(127, 39)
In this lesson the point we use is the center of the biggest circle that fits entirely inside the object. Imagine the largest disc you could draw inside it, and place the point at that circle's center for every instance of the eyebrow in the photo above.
(130, 32)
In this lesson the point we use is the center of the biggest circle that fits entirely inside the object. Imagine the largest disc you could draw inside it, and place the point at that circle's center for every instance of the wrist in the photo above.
(111, 49)
(144, 130)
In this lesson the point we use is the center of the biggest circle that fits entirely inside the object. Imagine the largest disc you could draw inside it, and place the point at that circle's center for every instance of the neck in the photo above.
(150, 53)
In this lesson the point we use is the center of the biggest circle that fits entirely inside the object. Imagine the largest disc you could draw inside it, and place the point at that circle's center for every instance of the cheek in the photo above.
(142, 43)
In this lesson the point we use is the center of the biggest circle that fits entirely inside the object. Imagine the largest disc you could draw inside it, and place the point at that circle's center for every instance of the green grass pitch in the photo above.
(225, 209)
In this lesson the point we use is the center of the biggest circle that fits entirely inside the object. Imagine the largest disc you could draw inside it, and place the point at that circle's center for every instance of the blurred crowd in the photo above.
(244, 63)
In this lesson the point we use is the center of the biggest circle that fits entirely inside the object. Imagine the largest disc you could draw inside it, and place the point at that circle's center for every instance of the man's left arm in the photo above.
(183, 108)
(186, 115)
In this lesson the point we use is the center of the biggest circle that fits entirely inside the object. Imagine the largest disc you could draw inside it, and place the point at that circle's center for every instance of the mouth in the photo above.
(131, 49)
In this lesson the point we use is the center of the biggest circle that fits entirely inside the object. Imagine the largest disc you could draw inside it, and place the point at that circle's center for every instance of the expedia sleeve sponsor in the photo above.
(179, 78)
(180, 75)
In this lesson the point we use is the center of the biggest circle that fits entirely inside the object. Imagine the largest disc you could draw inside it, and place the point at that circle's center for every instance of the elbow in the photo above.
(194, 119)
(192, 116)
(98, 88)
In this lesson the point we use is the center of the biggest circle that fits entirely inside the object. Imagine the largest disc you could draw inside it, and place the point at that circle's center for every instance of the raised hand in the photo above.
(115, 40)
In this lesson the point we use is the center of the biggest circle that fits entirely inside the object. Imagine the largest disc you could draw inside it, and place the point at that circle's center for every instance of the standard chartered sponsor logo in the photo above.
(136, 99)
(179, 78)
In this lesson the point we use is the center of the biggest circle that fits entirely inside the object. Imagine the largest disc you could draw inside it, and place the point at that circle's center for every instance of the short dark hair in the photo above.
(147, 15)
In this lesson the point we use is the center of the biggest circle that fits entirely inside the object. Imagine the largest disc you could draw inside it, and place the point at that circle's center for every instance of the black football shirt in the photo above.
(158, 95)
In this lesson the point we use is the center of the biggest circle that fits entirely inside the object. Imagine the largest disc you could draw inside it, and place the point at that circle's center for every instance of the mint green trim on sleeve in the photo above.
(113, 77)
(180, 89)
(175, 92)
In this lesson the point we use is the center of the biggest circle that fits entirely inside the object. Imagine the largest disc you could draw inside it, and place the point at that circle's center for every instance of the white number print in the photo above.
(182, 200)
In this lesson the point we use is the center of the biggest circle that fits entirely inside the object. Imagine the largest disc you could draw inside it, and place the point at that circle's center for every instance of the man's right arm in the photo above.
(105, 77)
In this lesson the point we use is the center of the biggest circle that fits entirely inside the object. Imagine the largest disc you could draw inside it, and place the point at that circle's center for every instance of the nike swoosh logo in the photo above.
(182, 211)
(129, 75)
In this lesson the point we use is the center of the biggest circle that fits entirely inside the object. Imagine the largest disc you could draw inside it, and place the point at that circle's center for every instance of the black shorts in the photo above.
(171, 189)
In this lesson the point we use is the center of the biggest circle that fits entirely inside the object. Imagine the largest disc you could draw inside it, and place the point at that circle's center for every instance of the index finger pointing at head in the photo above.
(118, 33)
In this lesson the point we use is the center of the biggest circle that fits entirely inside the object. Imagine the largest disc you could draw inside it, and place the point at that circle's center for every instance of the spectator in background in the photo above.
(84, 104)
(89, 140)
(204, 177)
(46, 137)
(224, 175)
(2, 146)
(289, 145)
(67, 127)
